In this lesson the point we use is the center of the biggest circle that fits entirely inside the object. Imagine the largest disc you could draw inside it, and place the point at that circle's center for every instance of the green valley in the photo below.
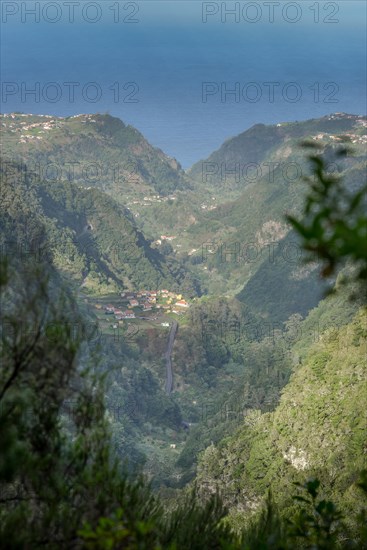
(263, 383)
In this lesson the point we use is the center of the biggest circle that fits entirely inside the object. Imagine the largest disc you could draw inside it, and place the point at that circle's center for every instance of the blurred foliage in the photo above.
(334, 223)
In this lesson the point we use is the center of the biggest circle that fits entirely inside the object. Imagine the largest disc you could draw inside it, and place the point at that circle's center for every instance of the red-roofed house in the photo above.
(182, 303)
(128, 315)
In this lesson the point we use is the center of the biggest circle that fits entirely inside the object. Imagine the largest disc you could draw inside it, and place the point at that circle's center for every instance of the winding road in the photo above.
(169, 374)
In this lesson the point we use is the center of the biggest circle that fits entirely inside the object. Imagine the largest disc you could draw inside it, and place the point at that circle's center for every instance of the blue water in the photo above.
(169, 53)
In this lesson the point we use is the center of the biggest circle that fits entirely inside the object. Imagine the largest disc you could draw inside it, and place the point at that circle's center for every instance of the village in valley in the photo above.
(144, 304)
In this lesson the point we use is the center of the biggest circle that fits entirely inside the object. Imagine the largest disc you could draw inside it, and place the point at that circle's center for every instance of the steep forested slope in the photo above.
(246, 238)
(256, 151)
(90, 237)
(318, 428)
(92, 150)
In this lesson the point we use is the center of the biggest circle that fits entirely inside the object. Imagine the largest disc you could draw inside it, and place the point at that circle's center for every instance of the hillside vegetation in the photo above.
(261, 442)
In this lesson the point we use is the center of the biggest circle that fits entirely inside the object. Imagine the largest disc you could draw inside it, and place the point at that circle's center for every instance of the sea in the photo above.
(187, 74)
